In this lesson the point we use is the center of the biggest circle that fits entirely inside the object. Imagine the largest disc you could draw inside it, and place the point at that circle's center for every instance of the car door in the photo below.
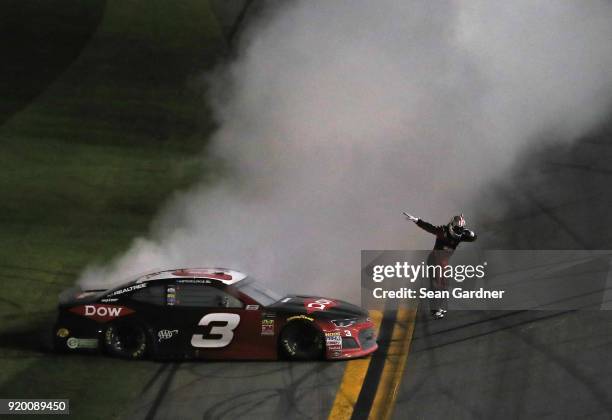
(150, 304)
(211, 323)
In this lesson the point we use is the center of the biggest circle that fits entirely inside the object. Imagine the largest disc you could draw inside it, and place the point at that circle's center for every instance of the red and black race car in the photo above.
(210, 313)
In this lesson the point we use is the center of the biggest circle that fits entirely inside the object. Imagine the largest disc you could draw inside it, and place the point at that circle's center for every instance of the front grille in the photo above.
(367, 338)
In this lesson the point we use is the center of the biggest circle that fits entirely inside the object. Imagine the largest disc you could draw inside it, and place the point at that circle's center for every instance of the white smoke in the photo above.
(338, 115)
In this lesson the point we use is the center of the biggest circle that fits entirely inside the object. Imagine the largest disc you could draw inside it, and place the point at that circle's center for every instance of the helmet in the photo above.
(456, 225)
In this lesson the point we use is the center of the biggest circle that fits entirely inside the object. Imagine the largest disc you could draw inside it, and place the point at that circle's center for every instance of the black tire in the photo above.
(126, 340)
(301, 341)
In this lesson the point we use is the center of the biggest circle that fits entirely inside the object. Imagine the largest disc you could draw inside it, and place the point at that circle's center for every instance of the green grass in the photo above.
(85, 166)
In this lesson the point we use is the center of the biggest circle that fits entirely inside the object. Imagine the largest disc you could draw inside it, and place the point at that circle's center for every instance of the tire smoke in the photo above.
(336, 116)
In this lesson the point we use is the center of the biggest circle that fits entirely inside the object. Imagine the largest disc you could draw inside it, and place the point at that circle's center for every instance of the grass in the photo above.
(88, 154)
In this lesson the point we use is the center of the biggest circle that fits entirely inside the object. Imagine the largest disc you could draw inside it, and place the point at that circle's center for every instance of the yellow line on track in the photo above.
(353, 377)
(397, 355)
(395, 362)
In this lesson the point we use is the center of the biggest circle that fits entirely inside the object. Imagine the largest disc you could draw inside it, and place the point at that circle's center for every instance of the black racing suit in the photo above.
(445, 245)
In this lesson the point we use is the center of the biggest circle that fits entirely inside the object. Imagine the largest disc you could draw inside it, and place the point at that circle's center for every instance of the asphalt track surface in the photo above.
(471, 365)
(474, 365)
(225, 390)
(524, 364)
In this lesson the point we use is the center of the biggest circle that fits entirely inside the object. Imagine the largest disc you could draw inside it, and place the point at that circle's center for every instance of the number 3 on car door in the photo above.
(226, 332)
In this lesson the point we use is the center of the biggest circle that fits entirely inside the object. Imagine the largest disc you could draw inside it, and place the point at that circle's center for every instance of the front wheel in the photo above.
(299, 341)
(125, 340)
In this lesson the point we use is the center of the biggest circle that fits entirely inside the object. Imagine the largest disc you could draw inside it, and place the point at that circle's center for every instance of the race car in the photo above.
(209, 313)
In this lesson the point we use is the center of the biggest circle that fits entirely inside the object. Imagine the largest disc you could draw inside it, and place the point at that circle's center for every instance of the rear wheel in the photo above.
(126, 340)
(301, 341)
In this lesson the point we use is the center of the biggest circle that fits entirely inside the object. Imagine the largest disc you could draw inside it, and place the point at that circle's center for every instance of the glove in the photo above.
(411, 217)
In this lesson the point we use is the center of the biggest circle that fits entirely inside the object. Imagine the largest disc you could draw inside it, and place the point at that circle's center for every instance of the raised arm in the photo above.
(468, 235)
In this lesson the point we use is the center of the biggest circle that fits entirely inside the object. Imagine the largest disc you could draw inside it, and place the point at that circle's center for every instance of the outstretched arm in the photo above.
(428, 227)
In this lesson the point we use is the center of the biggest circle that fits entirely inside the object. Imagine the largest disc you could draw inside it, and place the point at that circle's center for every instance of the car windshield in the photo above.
(258, 292)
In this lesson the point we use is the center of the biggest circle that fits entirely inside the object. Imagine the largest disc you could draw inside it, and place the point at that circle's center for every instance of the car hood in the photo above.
(318, 307)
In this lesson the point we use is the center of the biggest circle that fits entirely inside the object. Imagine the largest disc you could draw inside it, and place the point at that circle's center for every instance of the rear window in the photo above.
(256, 291)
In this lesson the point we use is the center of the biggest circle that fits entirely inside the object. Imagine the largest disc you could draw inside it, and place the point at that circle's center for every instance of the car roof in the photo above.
(223, 275)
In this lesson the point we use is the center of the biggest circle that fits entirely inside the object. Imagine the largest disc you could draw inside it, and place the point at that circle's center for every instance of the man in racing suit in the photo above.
(448, 237)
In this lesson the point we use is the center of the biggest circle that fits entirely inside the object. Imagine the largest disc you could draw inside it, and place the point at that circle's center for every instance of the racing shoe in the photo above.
(438, 313)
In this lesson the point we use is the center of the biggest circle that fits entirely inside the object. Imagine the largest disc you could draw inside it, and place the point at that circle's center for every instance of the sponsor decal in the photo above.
(320, 304)
(72, 343)
(84, 295)
(166, 334)
(252, 307)
(336, 353)
(63, 332)
(333, 340)
(101, 313)
(82, 343)
(171, 295)
(307, 318)
(128, 289)
(194, 281)
(107, 300)
(267, 327)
